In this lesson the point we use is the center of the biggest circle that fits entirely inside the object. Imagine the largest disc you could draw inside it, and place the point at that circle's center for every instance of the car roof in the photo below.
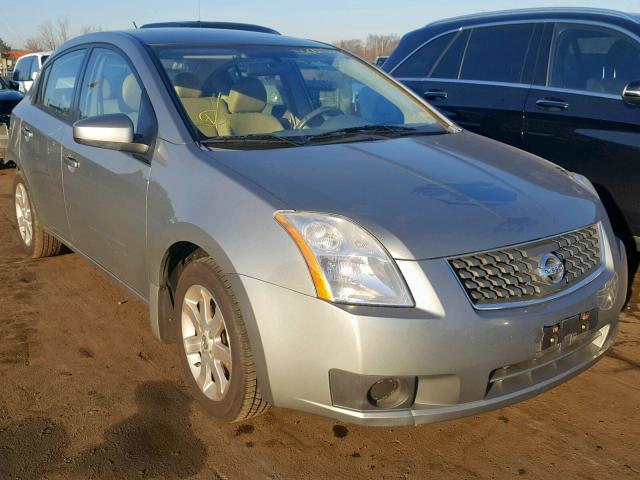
(219, 25)
(541, 14)
(416, 38)
(176, 36)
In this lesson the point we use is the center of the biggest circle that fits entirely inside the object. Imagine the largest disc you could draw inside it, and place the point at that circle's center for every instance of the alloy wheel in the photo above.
(24, 215)
(206, 342)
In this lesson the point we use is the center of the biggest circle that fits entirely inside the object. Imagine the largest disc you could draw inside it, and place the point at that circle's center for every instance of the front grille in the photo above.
(514, 274)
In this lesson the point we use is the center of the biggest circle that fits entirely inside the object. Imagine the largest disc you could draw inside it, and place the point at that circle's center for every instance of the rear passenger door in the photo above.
(106, 190)
(478, 77)
(575, 115)
(42, 129)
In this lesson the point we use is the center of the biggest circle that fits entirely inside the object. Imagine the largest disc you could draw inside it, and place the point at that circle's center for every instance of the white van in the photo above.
(27, 69)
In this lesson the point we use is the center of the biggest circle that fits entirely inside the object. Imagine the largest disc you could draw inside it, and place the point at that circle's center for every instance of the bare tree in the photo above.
(90, 29)
(51, 35)
(372, 47)
(354, 46)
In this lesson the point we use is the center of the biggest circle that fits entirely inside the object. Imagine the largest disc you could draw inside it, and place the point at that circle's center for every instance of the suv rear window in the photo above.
(497, 54)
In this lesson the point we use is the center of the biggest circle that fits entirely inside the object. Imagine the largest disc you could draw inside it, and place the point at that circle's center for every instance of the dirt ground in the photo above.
(86, 392)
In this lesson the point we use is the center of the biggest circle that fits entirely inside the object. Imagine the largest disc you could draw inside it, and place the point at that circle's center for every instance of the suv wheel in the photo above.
(213, 344)
(35, 241)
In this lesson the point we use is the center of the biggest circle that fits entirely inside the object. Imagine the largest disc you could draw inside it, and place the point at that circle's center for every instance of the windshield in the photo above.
(262, 93)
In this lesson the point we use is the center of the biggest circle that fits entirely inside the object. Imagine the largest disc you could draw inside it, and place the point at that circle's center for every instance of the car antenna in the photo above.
(134, 25)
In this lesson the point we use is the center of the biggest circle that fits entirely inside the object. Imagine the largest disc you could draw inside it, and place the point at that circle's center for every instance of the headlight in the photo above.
(346, 263)
(583, 182)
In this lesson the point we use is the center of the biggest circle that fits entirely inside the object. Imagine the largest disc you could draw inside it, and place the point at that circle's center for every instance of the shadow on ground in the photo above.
(156, 442)
(31, 448)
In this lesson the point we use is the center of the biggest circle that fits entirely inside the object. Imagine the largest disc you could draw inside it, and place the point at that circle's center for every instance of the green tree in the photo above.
(4, 46)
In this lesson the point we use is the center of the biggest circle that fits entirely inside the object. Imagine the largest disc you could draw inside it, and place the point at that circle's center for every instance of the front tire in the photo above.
(35, 241)
(213, 344)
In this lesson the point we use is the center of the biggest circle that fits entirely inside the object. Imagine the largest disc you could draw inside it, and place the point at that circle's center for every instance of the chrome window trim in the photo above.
(515, 22)
(585, 93)
(474, 82)
(525, 303)
(610, 96)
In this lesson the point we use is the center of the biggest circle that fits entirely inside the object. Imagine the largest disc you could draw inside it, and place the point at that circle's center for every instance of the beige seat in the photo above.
(109, 102)
(246, 102)
(131, 97)
(206, 113)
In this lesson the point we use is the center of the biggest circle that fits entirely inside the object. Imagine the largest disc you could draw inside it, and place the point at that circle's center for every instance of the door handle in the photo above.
(27, 132)
(70, 161)
(435, 95)
(549, 103)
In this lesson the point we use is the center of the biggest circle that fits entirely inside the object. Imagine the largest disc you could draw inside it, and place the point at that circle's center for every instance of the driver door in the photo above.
(575, 115)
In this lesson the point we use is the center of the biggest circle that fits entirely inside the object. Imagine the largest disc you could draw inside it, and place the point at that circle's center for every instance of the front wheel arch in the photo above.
(174, 259)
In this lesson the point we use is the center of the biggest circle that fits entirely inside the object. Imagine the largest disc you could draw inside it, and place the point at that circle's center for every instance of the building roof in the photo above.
(16, 53)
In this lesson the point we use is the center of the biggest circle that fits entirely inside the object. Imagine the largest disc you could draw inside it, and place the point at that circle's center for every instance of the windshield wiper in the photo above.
(246, 140)
(376, 131)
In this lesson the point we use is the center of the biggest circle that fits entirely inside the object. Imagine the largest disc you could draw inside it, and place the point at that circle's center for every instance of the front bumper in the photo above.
(446, 344)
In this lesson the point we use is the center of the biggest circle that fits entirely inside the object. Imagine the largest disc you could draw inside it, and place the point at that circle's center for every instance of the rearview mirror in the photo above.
(631, 93)
(113, 131)
(14, 85)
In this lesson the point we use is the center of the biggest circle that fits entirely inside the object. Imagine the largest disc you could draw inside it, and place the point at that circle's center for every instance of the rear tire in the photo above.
(35, 241)
(213, 344)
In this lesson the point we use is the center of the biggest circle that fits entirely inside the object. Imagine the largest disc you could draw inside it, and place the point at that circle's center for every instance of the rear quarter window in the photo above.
(418, 64)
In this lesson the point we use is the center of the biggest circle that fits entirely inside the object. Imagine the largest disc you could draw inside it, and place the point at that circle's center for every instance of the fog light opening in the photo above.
(389, 393)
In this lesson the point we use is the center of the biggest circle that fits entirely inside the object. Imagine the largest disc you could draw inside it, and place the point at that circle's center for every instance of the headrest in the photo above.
(247, 96)
(131, 92)
(622, 52)
(187, 85)
(106, 88)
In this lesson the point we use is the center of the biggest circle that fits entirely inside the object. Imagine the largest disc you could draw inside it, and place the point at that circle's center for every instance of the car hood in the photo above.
(425, 196)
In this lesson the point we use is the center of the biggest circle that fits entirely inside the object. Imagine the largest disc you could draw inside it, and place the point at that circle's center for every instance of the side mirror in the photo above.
(631, 93)
(113, 131)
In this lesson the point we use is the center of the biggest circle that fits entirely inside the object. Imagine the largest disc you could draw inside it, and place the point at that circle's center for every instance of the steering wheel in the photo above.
(320, 111)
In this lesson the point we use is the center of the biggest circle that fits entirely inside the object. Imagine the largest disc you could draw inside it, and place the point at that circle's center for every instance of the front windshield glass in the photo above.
(260, 93)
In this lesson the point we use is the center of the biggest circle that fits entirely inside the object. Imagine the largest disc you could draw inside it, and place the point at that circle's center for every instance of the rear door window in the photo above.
(418, 64)
(61, 81)
(497, 54)
(592, 59)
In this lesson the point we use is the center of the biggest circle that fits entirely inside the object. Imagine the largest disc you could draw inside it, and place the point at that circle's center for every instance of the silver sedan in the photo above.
(309, 233)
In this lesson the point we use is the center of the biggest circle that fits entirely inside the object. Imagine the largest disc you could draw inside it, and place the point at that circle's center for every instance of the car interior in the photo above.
(594, 60)
(223, 95)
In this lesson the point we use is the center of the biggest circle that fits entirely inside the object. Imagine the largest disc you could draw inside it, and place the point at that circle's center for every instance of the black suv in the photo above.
(563, 84)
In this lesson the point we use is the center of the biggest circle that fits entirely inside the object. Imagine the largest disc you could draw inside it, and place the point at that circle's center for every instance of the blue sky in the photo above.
(325, 20)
